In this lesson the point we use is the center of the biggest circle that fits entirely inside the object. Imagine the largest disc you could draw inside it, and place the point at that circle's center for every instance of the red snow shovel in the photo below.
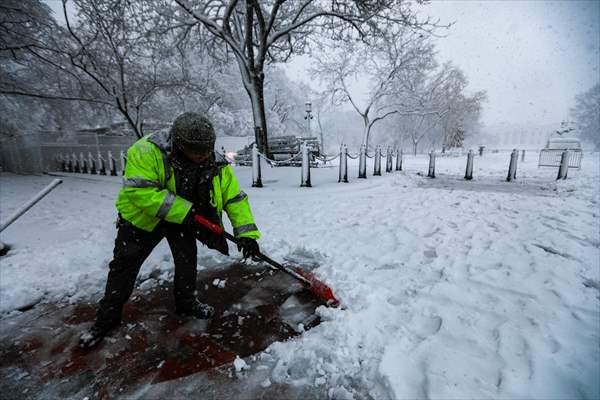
(310, 281)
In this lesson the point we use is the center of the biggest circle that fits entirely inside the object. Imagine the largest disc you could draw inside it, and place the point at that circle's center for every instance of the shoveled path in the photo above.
(255, 306)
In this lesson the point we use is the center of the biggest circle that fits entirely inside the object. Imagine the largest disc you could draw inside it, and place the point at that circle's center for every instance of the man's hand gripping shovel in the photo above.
(308, 280)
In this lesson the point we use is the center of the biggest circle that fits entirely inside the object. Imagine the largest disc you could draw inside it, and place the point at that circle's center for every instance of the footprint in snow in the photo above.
(430, 234)
(430, 253)
(395, 300)
(425, 326)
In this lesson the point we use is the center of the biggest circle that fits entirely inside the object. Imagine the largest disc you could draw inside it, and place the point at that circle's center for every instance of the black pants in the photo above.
(132, 247)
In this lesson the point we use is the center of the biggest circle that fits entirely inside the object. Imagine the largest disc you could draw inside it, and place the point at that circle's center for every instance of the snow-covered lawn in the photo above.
(450, 289)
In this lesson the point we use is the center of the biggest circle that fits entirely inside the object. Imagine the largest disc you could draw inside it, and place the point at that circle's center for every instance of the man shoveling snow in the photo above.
(170, 179)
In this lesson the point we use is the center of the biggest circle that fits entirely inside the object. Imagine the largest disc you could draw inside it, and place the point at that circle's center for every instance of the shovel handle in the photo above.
(321, 290)
(213, 227)
(217, 229)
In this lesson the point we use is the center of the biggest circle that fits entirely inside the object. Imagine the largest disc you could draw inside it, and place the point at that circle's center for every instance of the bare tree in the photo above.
(284, 101)
(24, 28)
(261, 32)
(382, 64)
(460, 109)
(442, 108)
(108, 57)
(424, 92)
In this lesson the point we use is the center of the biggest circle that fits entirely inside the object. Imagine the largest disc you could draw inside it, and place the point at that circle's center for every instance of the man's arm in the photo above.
(143, 188)
(235, 203)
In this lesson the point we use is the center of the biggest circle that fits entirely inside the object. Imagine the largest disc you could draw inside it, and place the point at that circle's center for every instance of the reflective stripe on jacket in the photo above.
(149, 194)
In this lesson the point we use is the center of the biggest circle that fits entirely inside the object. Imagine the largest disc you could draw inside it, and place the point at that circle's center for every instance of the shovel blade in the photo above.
(318, 288)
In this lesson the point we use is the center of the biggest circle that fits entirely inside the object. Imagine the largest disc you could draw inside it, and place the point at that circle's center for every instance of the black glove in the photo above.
(190, 221)
(248, 247)
(205, 235)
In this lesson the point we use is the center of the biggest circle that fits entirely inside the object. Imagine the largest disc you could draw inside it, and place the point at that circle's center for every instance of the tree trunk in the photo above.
(256, 93)
(253, 79)
(125, 112)
(367, 133)
(137, 129)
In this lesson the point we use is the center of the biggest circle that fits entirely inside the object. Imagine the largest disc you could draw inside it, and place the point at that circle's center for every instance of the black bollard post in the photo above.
(399, 160)
(305, 168)
(564, 165)
(522, 155)
(377, 163)
(256, 173)
(341, 166)
(469, 171)
(388, 160)
(512, 167)
(343, 176)
(431, 172)
(362, 162)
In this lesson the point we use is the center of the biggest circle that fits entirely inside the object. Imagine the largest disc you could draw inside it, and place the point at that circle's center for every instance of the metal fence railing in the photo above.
(551, 158)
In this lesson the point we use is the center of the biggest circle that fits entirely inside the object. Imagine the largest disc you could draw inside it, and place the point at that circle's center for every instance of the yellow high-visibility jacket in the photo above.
(149, 194)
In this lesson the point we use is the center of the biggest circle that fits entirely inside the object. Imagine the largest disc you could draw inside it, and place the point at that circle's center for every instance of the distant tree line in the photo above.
(586, 115)
(424, 100)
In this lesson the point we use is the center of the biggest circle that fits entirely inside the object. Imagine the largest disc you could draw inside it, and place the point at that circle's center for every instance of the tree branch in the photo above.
(52, 96)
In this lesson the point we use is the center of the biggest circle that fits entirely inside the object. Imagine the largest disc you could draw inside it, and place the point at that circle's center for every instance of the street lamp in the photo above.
(308, 115)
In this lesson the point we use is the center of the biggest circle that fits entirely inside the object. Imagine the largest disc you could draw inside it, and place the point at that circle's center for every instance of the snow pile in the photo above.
(451, 289)
(239, 364)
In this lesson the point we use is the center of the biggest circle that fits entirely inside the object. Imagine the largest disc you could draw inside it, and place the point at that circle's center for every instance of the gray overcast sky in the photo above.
(532, 57)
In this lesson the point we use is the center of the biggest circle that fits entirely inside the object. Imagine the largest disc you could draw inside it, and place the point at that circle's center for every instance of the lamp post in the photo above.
(308, 115)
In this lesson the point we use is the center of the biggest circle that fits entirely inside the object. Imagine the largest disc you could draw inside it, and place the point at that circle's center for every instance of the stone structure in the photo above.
(37, 152)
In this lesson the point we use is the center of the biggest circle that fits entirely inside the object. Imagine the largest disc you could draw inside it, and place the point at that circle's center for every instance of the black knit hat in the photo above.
(193, 132)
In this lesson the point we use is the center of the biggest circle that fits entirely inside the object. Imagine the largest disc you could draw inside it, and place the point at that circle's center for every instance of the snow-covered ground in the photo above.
(450, 289)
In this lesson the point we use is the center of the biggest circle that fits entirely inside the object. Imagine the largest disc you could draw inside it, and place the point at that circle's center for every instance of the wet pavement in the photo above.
(254, 307)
